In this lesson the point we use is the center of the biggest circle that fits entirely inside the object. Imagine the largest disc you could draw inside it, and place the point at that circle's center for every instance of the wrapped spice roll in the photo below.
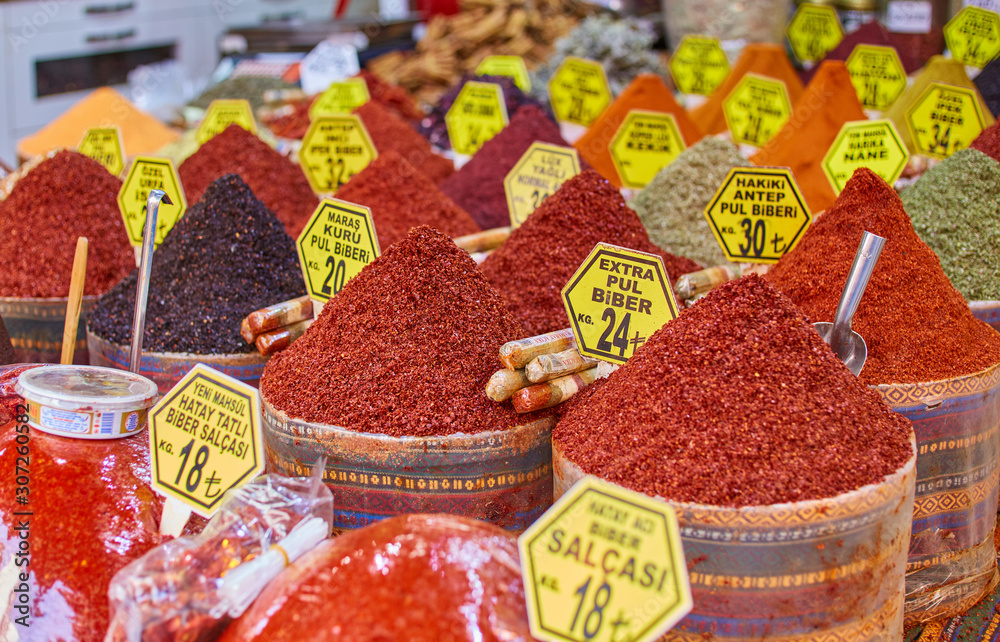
(531, 266)
(781, 466)
(370, 584)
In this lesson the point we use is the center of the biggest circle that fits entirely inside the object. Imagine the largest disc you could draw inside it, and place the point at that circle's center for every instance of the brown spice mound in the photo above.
(988, 141)
(63, 198)
(737, 402)
(391, 133)
(535, 262)
(406, 348)
(400, 197)
(915, 323)
(274, 179)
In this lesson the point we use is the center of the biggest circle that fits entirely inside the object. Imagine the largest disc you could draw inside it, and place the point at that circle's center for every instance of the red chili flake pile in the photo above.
(406, 348)
(478, 186)
(392, 134)
(390, 96)
(400, 197)
(535, 262)
(63, 198)
(737, 402)
(274, 179)
(93, 513)
(988, 141)
(915, 323)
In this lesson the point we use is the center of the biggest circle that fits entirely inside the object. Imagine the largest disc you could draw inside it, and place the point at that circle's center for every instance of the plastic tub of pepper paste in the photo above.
(86, 402)
(167, 368)
(36, 328)
(503, 477)
(952, 562)
(988, 311)
(817, 570)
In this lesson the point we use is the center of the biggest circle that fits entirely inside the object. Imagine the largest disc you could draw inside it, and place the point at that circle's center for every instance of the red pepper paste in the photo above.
(478, 186)
(988, 141)
(538, 258)
(63, 198)
(915, 323)
(406, 348)
(93, 512)
(737, 402)
(401, 197)
(274, 179)
(392, 134)
(421, 578)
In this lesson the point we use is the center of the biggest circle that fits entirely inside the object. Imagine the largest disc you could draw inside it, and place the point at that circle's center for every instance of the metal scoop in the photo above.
(145, 268)
(847, 344)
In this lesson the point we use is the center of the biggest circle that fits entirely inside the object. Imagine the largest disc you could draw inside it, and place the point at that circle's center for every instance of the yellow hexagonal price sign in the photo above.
(874, 144)
(877, 75)
(699, 65)
(616, 300)
(512, 67)
(756, 109)
(540, 172)
(758, 214)
(813, 31)
(579, 91)
(149, 173)
(645, 143)
(336, 244)
(944, 119)
(478, 114)
(973, 36)
(340, 98)
(334, 149)
(223, 113)
(104, 145)
(604, 564)
(205, 438)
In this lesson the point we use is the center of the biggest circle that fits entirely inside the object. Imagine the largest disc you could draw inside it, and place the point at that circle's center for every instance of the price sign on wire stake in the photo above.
(874, 144)
(104, 145)
(477, 115)
(331, 60)
(205, 438)
(604, 564)
(813, 31)
(336, 244)
(149, 173)
(340, 98)
(973, 36)
(334, 149)
(540, 172)
(945, 119)
(616, 300)
(756, 109)
(758, 214)
(699, 65)
(645, 143)
(579, 91)
(877, 75)
(512, 67)
(223, 113)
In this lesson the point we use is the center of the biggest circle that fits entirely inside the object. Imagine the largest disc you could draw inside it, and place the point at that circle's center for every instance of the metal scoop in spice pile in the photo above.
(847, 344)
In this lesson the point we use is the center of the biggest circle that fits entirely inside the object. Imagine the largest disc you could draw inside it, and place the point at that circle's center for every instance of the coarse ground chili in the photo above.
(915, 323)
(478, 185)
(535, 262)
(422, 578)
(988, 141)
(406, 348)
(228, 256)
(401, 197)
(737, 402)
(390, 133)
(63, 198)
(392, 97)
(274, 179)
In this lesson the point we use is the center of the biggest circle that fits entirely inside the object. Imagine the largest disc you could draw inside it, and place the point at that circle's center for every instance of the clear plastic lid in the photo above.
(74, 386)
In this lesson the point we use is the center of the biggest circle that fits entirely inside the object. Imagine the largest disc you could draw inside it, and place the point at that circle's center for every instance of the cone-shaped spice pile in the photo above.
(406, 348)
(916, 325)
(533, 265)
(737, 402)
(390, 133)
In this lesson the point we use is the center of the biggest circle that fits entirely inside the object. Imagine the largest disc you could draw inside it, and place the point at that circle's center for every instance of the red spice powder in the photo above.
(400, 197)
(392, 134)
(535, 262)
(737, 402)
(988, 142)
(478, 186)
(63, 198)
(873, 33)
(406, 348)
(390, 96)
(274, 179)
(915, 323)
(94, 512)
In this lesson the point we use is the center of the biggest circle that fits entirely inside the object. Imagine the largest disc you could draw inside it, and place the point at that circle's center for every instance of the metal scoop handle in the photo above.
(145, 268)
(857, 280)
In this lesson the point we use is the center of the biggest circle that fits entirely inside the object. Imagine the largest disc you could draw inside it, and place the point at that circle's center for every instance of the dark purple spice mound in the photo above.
(228, 256)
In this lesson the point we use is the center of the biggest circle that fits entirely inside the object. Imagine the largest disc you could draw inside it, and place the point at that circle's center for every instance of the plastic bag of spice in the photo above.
(179, 591)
